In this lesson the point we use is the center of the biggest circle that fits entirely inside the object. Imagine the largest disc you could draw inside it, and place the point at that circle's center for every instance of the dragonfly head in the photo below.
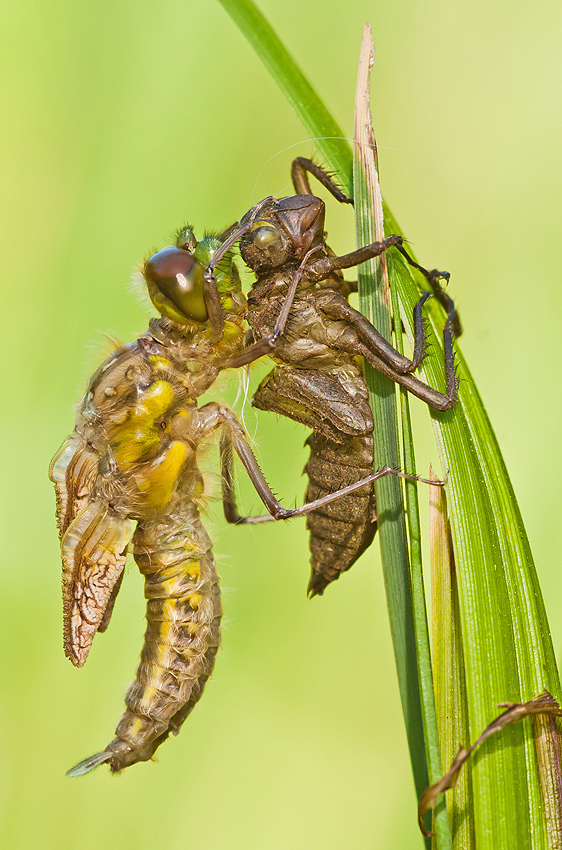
(285, 229)
(174, 278)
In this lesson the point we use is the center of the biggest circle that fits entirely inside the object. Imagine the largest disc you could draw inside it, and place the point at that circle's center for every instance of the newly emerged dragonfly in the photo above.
(299, 314)
(133, 458)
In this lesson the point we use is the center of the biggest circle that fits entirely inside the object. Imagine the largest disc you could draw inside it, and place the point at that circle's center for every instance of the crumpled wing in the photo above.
(73, 471)
(94, 551)
(104, 623)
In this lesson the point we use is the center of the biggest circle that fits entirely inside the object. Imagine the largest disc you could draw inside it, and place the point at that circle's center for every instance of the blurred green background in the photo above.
(119, 122)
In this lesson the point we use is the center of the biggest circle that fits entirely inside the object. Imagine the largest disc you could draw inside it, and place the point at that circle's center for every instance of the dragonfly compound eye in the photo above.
(264, 245)
(264, 234)
(174, 278)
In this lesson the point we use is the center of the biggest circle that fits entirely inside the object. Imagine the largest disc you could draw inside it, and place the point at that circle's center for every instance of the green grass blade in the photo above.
(402, 569)
(421, 628)
(392, 529)
(507, 647)
(448, 667)
(404, 589)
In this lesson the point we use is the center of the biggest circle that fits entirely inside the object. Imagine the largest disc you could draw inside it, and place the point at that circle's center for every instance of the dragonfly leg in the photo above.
(300, 170)
(325, 266)
(337, 307)
(233, 437)
(210, 291)
(433, 278)
(302, 167)
(213, 304)
(276, 509)
(435, 399)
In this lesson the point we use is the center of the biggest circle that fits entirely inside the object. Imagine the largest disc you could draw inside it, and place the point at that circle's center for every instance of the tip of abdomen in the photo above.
(90, 763)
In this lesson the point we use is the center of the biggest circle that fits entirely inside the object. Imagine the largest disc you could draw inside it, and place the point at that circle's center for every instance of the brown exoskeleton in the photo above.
(299, 314)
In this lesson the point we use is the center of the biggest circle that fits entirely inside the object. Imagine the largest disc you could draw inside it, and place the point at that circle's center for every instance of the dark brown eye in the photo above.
(175, 284)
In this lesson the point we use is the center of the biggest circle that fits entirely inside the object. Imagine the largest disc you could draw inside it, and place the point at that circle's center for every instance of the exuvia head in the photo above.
(284, 229)
(174, 278)
(265, 245)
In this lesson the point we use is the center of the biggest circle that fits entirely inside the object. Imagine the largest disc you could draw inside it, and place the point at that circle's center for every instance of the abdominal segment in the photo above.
(182, 636)
(341, 530)
(334, 404)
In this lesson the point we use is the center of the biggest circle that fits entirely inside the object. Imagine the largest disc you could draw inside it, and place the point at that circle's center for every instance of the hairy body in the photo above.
(133, 459)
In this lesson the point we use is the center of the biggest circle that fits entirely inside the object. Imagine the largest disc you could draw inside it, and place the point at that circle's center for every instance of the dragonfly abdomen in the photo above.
(341, 530)
(182, 636)
(334, 404)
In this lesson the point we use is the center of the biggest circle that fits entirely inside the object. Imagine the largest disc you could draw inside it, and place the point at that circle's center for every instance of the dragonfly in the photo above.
(133, 459)
(299, 314)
